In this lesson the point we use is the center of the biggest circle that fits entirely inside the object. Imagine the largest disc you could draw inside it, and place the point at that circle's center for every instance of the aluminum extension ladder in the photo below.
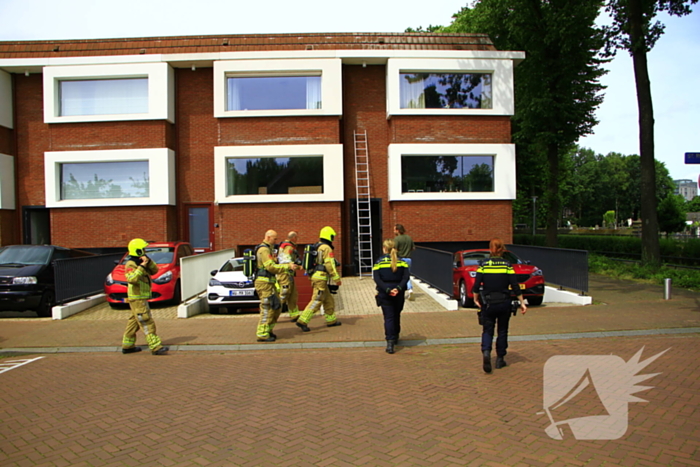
(363, 200)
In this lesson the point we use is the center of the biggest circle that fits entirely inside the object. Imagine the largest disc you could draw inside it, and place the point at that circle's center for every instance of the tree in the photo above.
(672, 214)
(557, 88)
(634, 30)
(693, 205)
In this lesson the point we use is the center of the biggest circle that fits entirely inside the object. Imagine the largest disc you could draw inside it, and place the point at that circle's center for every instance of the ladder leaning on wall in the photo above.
(363, 200)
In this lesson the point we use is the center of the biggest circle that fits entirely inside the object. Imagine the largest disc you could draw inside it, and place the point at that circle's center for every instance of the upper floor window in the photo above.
(446, 173)
(273, 92)
(445, 90)
(94, 180)
(108, 93)
(277, 87)
(104, 96)
(274, 175)
(450, 86)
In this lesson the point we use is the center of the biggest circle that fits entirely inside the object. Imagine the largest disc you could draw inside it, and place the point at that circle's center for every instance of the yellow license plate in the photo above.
(522, 286)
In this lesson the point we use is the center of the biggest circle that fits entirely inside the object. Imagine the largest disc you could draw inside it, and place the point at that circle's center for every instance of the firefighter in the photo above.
(288, 253)
(138, 271)
(266, 286)
(321, 275)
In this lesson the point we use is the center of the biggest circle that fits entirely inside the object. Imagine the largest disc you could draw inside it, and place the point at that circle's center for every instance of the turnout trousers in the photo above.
(492, 316)
(289, 294)
(270, 308)
(141, 319)
(320, 296)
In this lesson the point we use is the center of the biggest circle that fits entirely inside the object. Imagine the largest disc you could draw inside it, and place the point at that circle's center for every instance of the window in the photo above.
(7, 182)
(451, 172)
(274, 176)
(273, 92)
(277, 87)
(94, 180)
(104, 97)
(438, 174)
(445, 90)
(123, 177)
(442, 86)
(281, 173)
(115, 92)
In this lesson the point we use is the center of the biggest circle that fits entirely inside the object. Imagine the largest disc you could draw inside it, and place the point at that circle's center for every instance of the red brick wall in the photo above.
(108, 135)
(364, 100)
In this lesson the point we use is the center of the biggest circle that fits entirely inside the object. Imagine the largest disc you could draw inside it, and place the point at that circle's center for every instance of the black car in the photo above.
(27, 276)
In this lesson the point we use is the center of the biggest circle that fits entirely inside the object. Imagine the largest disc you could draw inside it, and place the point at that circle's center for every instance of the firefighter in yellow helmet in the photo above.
(138, 271)
(289, 295)
(321, 276)
(265, 284)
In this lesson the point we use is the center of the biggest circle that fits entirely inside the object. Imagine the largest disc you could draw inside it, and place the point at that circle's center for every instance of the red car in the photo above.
(466, 262)
(165, 286)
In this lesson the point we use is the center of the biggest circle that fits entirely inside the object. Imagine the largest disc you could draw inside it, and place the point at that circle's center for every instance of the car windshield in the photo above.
(473, 258)
(160, 254)
(25, 255)
(234, 264)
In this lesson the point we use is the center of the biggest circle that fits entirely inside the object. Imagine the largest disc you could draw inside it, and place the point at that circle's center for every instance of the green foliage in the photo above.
(693, 205)
(609, 219)
(671, 213)
(680, 277)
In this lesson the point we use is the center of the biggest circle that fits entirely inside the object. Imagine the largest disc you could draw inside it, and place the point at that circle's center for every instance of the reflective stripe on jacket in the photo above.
(138, 278)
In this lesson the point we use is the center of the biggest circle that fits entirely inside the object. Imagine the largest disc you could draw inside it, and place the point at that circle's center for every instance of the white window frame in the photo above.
(503, 169)
(161, 90)
(161, 174)
(7, 182)
(332, 171)
(501, 83)
(6, 105)
(331, 87)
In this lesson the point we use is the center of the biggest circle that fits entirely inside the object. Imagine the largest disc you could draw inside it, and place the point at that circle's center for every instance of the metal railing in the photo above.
(562, 267)
(433, 267)
(76, 278)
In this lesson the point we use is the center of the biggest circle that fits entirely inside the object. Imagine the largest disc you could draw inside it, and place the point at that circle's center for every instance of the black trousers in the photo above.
(491, 316)
(391, 309)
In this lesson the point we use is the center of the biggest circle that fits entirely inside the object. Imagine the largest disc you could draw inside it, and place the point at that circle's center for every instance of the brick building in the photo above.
(215, 139)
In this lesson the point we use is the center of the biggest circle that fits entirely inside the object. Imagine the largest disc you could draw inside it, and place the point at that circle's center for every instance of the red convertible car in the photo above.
(466, 262)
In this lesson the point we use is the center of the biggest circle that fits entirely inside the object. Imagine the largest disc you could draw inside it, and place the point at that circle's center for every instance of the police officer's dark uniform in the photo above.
(495, 278)
(388, 280)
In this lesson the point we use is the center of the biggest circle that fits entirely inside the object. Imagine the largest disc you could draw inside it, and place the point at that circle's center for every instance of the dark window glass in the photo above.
(435, 174)
(445, 91)
(274, 175)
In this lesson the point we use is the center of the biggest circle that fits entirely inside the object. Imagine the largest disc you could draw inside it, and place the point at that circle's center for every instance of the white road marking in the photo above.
(6, 365)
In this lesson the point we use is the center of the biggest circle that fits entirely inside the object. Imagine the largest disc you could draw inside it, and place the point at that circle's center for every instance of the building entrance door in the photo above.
(36, 223)
(200, 227)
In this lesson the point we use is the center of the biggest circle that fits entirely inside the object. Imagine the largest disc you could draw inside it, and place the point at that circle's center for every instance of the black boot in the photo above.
(500, 362)
(390, 345)
(302, 326)
(487, 361)
(131, 350)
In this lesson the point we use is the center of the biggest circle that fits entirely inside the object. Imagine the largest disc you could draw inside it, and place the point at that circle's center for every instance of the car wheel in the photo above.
(48, 300)
(177, 295)
(464, 300)
(117, 306)
(535, 301)
(214, 310)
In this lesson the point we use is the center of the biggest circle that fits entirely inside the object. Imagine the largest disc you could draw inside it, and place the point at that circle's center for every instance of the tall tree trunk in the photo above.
(650, 224)
(553, 200)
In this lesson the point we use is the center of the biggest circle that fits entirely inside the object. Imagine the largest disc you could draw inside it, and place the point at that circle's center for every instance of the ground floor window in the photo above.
(274, 175)
(445, 173)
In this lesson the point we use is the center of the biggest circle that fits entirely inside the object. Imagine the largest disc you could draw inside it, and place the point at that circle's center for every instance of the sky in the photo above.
(674, 63)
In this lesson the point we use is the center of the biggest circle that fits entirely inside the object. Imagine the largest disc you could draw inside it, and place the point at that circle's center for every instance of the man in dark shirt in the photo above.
(404, 246)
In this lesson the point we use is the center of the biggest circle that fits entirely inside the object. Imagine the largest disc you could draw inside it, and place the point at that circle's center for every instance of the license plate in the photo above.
(237, 293)
(522, 286)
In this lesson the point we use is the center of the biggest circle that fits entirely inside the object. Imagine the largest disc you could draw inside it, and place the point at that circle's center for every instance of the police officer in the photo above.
(321, 275)
(138, 270)
(265, 285)
(495, 279)
(391, 276)
(288, 253)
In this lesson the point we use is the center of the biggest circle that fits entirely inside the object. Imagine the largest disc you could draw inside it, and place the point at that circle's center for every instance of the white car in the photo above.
(230, 289)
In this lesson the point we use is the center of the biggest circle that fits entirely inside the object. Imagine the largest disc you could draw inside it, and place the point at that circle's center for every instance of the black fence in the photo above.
(432, 263)
(81, 277)
(562, 267)
(434, 267)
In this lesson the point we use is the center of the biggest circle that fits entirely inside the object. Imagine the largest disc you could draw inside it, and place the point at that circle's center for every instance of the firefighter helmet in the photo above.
(327, 233)
(137, 247)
